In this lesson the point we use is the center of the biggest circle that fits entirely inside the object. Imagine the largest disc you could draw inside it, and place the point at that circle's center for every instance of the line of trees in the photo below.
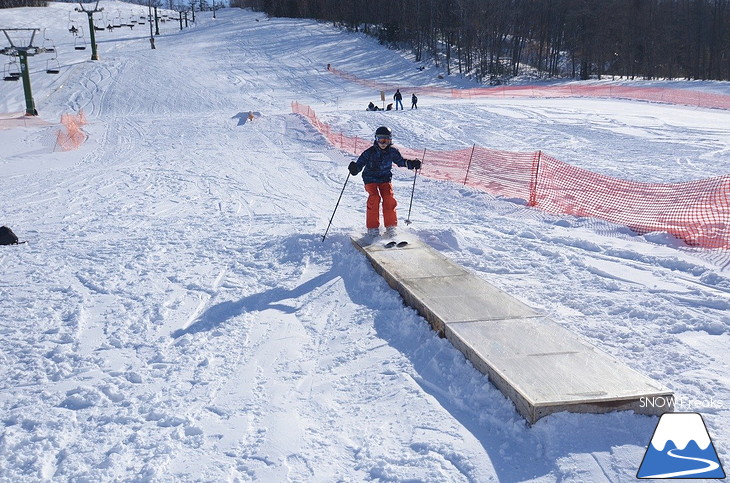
(495, 39)
(22, 3)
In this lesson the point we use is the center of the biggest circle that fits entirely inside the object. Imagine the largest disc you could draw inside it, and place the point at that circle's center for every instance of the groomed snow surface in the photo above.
(175, 315)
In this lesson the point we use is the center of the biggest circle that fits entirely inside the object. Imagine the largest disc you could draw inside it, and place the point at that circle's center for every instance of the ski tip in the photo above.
(394, 243)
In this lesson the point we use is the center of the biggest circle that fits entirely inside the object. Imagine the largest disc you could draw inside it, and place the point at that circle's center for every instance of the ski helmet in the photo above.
(383, 137)
(383, 131)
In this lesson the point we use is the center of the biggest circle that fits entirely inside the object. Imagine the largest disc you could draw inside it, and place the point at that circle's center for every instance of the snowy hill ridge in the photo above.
(596, 89)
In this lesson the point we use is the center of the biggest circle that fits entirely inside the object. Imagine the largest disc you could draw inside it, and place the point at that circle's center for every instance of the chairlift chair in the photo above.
(9, 74)
(101, 21)
(71, 27)
(14, 68)
(52, 66)
(51, 49)
(80, 41)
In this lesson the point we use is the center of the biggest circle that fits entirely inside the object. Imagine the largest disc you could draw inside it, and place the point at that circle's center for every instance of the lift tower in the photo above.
(22, 52)
(90, 14)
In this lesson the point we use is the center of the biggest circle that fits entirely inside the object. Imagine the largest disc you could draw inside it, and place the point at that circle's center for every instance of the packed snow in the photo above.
(176, 316)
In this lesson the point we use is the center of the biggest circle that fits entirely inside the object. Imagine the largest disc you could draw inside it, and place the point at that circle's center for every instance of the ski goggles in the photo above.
(381, 139)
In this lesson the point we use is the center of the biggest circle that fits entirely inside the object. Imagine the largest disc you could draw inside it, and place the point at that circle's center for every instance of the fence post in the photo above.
(533, 179)
(468, 166)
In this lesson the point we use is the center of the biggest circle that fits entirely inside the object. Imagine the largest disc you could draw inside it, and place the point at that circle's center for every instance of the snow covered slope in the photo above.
(175, 316)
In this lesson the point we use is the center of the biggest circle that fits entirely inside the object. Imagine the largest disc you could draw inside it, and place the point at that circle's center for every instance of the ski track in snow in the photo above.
(176, 316)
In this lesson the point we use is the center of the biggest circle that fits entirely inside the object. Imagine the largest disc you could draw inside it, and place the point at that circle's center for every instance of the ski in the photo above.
(16, 243)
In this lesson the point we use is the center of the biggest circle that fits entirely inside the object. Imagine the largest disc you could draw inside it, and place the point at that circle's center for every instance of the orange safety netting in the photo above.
(697, 212)
(72, 137)
(668, 95)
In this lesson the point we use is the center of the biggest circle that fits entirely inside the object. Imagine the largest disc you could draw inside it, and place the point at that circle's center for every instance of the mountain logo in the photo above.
(680, 448)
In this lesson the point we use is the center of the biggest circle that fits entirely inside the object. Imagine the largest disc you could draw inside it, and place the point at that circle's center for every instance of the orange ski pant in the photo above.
(380, 192)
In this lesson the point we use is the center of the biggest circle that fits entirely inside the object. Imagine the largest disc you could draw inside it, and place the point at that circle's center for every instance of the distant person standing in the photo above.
(414, 101)
(398, 98)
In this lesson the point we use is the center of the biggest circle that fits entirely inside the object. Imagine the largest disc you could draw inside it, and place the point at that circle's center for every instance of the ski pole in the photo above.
(336, 205)
(408, 219)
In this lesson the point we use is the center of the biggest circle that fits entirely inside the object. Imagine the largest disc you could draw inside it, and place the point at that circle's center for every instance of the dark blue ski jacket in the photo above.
(376, 164)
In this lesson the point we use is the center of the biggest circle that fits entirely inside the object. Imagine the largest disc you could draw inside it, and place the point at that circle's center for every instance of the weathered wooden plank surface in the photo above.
(541, 366)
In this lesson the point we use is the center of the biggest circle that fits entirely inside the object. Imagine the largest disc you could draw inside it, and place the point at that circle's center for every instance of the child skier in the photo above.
(376, 163)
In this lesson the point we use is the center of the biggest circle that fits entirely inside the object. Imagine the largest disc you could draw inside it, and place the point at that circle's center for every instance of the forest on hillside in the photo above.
(23, 3)
(493, 40)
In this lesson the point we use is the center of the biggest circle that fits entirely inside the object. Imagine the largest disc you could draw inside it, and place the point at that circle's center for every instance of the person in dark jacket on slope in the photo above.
(398, 98)
(376, 164)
